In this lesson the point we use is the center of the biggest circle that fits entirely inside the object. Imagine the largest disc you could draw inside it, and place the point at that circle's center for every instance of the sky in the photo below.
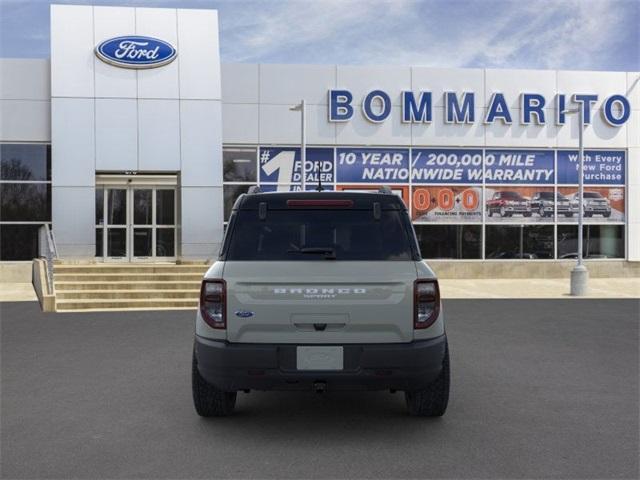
(534, 34)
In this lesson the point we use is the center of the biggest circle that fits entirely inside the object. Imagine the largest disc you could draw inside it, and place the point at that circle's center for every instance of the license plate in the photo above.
(319, 358)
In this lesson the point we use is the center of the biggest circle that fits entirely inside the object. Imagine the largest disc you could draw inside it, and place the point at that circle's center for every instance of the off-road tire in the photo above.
(433, 400)
(207, 399)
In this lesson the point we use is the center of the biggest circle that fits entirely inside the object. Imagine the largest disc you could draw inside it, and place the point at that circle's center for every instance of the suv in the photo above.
(594, 204)
(507, 203)
(542, 203)
(320, 291)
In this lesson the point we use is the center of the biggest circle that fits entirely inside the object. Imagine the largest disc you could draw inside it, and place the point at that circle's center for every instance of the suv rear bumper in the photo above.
(402, 366)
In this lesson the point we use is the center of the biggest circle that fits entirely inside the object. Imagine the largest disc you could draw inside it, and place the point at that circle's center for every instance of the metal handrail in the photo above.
(50, 252)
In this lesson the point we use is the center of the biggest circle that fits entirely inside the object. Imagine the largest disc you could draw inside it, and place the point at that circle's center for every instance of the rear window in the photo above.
(335, 234)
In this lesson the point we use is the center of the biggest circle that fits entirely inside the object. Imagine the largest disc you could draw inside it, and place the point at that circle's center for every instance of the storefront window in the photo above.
(598, 241)
(239, 164)
(231, 194)
(25, 163)
(529, 242)
(25, 202)
(450, 241)
(18, 242)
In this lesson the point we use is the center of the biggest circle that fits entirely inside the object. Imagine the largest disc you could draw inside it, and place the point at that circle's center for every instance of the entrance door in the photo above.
(138, 224)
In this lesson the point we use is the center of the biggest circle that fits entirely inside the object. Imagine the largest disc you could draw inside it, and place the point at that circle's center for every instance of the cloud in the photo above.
(545, 34)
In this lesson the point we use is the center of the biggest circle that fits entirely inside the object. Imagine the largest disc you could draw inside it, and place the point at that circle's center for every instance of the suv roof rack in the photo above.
(254, 189)
(385, 189)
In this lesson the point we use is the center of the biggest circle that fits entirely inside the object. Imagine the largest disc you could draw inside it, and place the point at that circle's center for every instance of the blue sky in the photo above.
(546, 34)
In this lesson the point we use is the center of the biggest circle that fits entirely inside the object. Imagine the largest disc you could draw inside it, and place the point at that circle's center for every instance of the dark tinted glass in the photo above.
(165, 242)
(99, 242)
(450, 241)
(511, 195)
(25, 162)
(320, 234)
(99, 206)
(165, 207)
(239, 164)
(231, 193)
(142, 242)
(142, 207)
(25, 202)
(598, 241)
(18, 242)
(519, 242)
(116, 242)
(117, 207)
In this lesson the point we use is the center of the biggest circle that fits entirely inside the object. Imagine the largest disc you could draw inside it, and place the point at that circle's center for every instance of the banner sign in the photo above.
(600, 167)
(283, 165)
(310, 187)
(518, 166)
(447, 204)
(601, 204)
(372, 165)
(434, 165)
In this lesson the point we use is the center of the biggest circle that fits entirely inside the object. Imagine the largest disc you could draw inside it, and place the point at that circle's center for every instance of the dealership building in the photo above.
(128, 163)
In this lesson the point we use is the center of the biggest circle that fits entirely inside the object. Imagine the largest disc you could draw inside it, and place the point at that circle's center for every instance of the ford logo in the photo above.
(244, 314)
(134, 51)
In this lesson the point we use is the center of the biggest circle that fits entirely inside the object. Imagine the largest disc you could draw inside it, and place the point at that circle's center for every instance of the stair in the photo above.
(112, 287)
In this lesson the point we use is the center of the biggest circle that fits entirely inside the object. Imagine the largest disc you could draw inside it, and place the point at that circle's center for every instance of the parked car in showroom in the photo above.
(594, 204)
(507, 203)
(543, 204)
(316, 291)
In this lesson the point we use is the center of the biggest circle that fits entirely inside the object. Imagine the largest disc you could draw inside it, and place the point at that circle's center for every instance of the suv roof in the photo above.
(278, 200)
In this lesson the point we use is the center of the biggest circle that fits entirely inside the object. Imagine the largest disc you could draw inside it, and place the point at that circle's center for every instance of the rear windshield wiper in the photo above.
(330, 253)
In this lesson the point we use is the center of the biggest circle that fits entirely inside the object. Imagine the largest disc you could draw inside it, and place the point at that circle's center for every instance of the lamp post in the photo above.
(580, 274)
(303, 138)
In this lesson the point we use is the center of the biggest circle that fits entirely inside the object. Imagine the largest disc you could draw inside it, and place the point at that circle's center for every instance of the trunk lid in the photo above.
(320, 302)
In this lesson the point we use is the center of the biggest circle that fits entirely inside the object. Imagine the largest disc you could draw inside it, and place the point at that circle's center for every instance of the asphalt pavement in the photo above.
(540, 389)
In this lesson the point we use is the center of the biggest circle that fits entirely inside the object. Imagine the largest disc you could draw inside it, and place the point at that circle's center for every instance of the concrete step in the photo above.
(127, 294)
(129, 268)
(122, 277)
(124, 304)
(62, 286)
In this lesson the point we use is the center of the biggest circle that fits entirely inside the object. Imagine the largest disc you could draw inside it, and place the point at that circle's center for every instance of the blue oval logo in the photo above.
(134, 51)
(244, 314)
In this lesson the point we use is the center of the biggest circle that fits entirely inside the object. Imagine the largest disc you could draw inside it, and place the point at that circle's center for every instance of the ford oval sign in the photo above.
(134, 51)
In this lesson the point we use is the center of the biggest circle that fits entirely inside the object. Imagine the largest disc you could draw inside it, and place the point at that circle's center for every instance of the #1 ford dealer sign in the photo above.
(134, 51)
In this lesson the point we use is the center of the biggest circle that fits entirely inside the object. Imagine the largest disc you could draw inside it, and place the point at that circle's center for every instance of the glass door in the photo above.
(136, 223)
(115, 238)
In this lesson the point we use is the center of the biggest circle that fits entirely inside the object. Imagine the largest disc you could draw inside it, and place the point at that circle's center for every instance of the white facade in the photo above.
(174, 119)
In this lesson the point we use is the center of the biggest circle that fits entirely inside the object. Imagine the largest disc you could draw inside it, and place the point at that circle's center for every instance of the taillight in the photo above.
(426, 303)
(213, 295)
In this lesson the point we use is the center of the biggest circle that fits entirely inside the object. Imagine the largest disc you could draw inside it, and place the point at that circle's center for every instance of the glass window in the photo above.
(99, 242)
(341, 234)
(239, 164)
(117, 207)
(231, 194)
(165, 242)
(99, 206)
(18, 242)
(142, 206)
(165, 207)
(450, 241)
(117, 242)
(25, 202)
(598, 241)
(25, 162)
(529, 242)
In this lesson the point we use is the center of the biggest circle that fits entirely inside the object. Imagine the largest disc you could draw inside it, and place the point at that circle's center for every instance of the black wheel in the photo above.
(527, 214)
(490, 212)
(568, 215)
(433, 400)
(606, 214)
(208, 400)
(541, 211)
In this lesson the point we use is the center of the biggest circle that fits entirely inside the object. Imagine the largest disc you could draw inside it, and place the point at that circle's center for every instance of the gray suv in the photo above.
(320, 291)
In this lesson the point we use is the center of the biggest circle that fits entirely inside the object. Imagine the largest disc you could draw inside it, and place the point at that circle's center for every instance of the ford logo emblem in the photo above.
(244, 314)
(134, 51)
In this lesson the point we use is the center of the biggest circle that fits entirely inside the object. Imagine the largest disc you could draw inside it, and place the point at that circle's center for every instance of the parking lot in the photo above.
(540, 389)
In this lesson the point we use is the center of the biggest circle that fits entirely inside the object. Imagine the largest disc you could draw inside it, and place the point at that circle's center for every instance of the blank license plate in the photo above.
(320, 358)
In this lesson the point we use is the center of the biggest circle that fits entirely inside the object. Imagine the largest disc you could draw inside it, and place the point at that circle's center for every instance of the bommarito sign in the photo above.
(460, 108)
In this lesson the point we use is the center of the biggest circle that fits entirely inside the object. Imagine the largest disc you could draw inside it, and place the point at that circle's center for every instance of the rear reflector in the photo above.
(320, 203)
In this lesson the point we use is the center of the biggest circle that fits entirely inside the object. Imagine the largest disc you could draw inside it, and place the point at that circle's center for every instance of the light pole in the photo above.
(303, 138)
(580, 274)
